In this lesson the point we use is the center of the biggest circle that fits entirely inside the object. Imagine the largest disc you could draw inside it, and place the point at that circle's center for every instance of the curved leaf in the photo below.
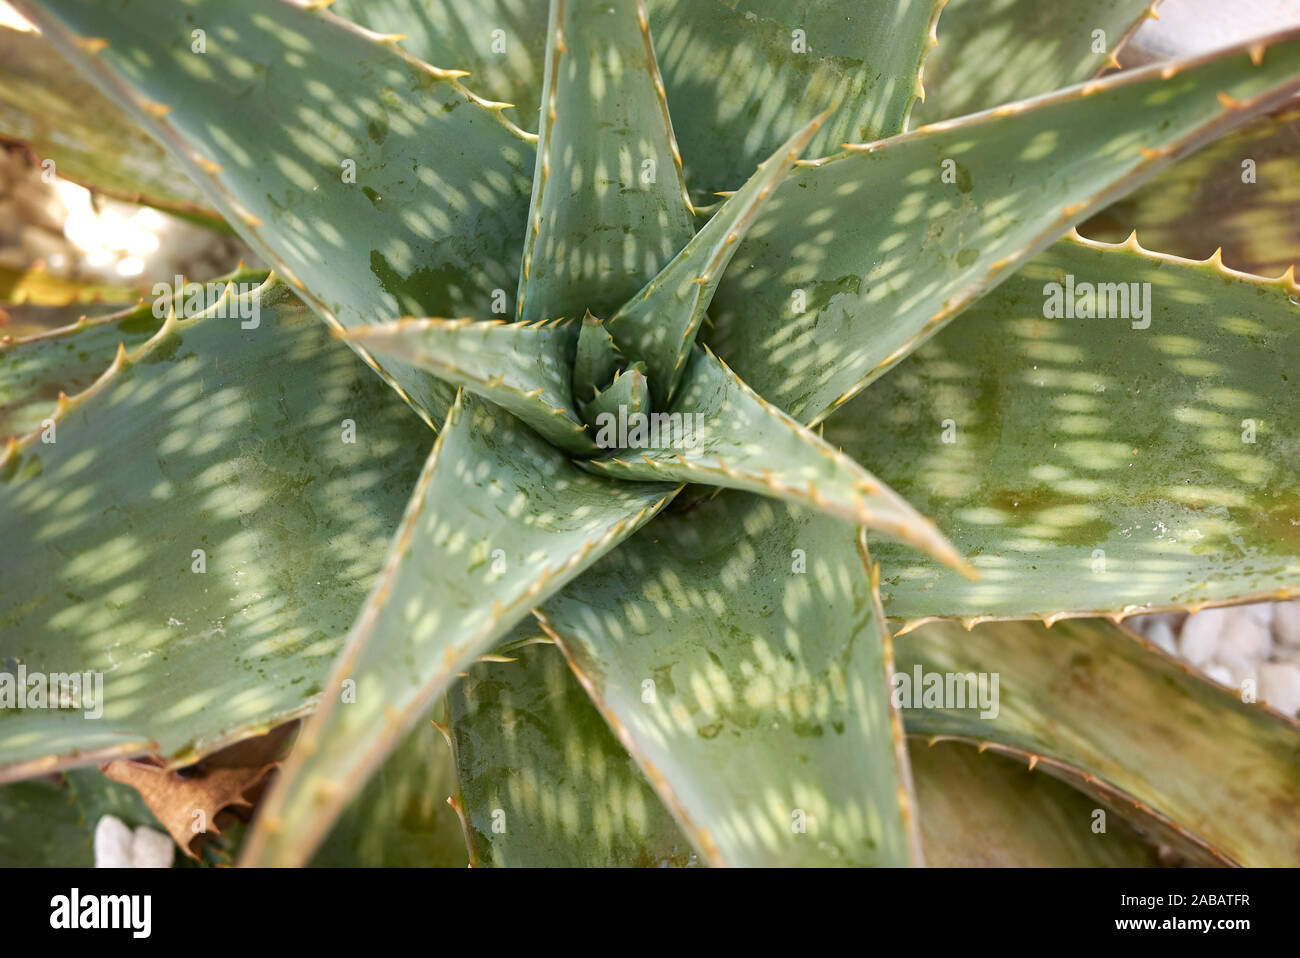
(500, 42)
(523, 367)
(61, 117)
(859, 258)
(995, 52)
(1240, 195)
(659, 324)
(609, 206)
(743, 75)
(720, 432)
(406, 201)
(401, 818)
(1143, 729)
(989, 811)
(738, 653)
(1089, 466)
(499, 520)
(200, 532)
(544, 783)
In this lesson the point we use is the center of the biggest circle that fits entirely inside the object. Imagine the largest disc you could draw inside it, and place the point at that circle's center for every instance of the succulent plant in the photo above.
(583, 463)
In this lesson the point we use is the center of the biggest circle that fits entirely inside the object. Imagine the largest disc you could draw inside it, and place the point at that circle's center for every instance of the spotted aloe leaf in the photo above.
(64, 118)
(982, 810)
(1099, 467)
(68, 357)
(992, 53)
(500, 42)
(609, 206)
(738, 653)
(544, 783)
(1240, 194)
(725, 434)
(1086, 702)
(523, 367)
(427, 179)
(660, 322)
(401, 818)
(209, 588)
(798, 58)
(499, 520)
(861, 257)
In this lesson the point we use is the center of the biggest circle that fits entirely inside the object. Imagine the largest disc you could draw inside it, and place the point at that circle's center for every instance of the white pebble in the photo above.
(152, 849)
(1200, 636)
(113, 841)
(116, 846)
(1279, 686)
(1286, 622)
(1219, 673)
(1244, 640)
(1161, 635)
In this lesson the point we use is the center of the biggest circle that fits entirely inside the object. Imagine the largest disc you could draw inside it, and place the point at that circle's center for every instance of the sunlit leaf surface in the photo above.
(1085, 465)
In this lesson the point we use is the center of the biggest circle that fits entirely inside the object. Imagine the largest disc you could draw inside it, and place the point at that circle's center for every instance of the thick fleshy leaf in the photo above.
(995, 52)
(990, 811)
(499, 520)
(609, 206)
(659, 324)
(743, 76)
(1089, 466)
(35, 370)
(720, 432)
(859, 258)
(201, 530)
(50, 823)
(523, 367)
(1084, 699)
(544, 783)
(737, 651)
(90, 139)
(500, 42)
(628, 392)
(1240, 194)
(407, 201)
(401, 818)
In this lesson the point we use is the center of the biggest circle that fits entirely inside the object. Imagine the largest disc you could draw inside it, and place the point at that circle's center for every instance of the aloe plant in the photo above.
(582, 463)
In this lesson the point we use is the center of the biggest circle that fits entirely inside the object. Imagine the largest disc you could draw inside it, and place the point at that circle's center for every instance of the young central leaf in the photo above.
(609, 206)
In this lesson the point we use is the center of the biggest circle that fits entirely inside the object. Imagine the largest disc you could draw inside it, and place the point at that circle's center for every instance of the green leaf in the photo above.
(992, 53)
(989, 811)
(50, 823)
(1240, 194)
(861, 257)
(742, 75)
(1094, 467)
(36, 370)
(720, 432)
(209, 437)
(523, 367)
(401, 818)
(431, 225)
(659, 324)
(90, 139)
(501, 43)
(609, 206)
(544, 783)
(737, 651)
(1086, 700)
(499, 520)
(628, 391)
